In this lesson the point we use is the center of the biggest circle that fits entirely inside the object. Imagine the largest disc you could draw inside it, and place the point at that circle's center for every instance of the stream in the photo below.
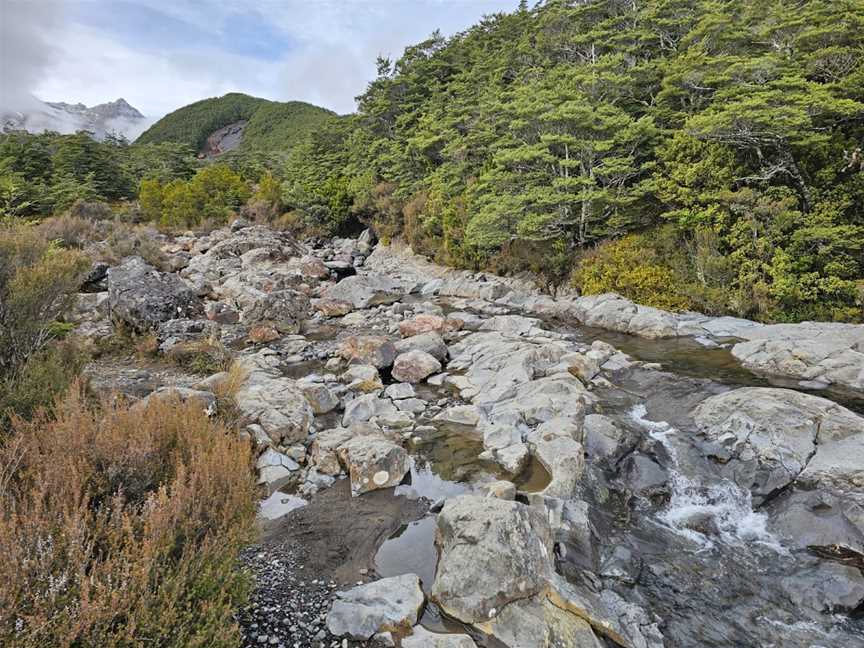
(672, 535)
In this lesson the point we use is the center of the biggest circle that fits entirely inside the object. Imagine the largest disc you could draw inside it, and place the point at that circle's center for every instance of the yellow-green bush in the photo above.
(37, 277)
(121, 527)
(630, 267)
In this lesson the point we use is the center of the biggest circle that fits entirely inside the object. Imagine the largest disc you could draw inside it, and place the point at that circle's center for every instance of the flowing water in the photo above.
(691, 549)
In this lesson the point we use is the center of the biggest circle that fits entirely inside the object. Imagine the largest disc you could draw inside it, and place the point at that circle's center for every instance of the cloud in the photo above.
(160, 55)
(26, 50)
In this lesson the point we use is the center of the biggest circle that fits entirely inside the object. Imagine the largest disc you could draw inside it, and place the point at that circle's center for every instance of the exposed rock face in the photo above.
(373, 350)
(768, 438)
(538, 622)
(373, 463)
(818, 354)
(493, 552)
(415, 366)
(389, 604)
(362, 291)
(142, 297)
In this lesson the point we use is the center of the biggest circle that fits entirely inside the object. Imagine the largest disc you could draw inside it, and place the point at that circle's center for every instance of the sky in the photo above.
(163, 54)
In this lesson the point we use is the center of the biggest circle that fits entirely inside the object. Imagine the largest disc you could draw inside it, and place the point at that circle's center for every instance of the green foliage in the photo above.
(629, 267)
(191, 125)
(36, 280)
(214, 193)
(570, 123)
(271, 125)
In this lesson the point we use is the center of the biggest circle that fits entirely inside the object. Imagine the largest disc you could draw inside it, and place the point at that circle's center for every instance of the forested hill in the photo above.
(723, 134)
(272, 125)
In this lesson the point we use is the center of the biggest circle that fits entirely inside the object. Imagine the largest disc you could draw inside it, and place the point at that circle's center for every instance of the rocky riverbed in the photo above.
(453, 459)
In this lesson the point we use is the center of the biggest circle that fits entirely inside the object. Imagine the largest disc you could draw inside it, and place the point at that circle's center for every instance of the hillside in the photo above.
(112, 118)
(716, 142)
(269, 125)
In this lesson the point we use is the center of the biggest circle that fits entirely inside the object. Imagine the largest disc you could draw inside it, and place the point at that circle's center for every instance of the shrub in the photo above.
(130, 240)
(40, 380)
(629, 266)
(36, 280)
(71, 231)
(122, 527)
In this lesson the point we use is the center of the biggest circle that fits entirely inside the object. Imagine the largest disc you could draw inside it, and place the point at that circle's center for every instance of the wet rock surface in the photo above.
(549, 483)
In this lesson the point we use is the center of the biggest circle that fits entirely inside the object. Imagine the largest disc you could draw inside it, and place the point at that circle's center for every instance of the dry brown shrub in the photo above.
(119, 528)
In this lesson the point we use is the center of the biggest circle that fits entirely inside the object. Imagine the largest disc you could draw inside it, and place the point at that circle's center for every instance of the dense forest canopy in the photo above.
(723, 134)
(701, 154)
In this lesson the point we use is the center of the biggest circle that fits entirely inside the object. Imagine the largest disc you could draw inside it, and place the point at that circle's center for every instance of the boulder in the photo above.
(386, 605)
(275, 469)
(422, 638)
(276, 403)
(374, 350)
(765, 438)
(460, 415)
(493, 552)
(324, 449)
(430, 343)
(332, 307)
(415, 366)
(366, 407)
(426, 323)
(539, 623)
(373, 463)
(142, 297)
(398, 391)
(363, 291)
(320, 397)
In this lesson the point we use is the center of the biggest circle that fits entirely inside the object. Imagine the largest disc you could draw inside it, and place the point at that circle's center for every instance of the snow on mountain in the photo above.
(115, 117)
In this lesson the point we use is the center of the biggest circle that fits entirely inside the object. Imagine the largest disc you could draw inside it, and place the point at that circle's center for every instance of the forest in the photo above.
(688, 154)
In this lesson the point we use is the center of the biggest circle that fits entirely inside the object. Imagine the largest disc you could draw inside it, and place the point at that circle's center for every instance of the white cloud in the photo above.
(331, 59)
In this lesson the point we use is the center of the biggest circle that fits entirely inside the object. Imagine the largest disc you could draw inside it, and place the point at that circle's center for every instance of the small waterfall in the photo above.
(723, 505)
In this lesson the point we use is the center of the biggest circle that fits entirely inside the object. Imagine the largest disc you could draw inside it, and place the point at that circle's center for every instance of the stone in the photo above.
(422, 638)
(142, 297)
(414, 366)
(320, 397)
(363, 291)
(493, 552)
(398, 391)
(373, 463)
(275, 468)
(263, 333)
(276, 403)
(460, 415)
(539, 623)
(582, 366)
(765, 438)
(501, 489)
(363, 408)
(323, 452)
(332, 307)
(425, 323)
(430, 343)
(373, 350)
(514, 458)
(826, 588)
(389, 604)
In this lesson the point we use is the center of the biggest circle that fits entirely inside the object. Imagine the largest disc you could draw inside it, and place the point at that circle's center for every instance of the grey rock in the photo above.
(493, 552)
(142, 297)
(373, 463)
(414, 366)
(422, 638)
(363, 291)
(430, 343)
(386, 604)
